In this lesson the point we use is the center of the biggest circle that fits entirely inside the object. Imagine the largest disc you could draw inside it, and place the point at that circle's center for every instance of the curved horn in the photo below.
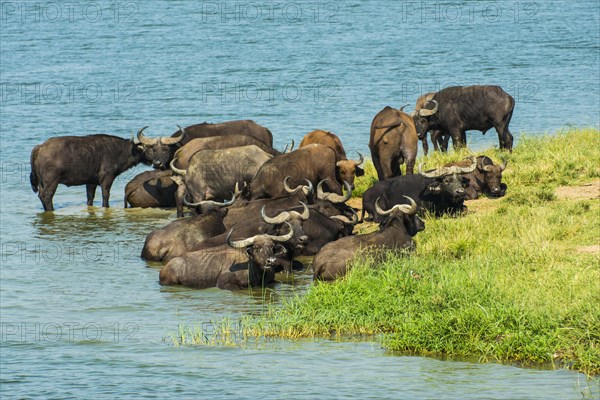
(173, 140)
(238, 244)
(435, 173)
(379, 210)
(488, 168)
(278, 219)
(291, 146)
(305, 213)
(402, 108)
(361, 159)
(210, 203)
(283, 238)
(347, 220)
(403, 208)
(308, 189)
(178, 171)
(424, 112)
(503, 165)
(464, 170)
(289, 189)
(333, 197)
(144, 140)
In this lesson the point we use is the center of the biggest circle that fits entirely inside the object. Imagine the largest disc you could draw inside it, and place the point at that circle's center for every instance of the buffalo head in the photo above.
(492, 176)
(422, 117)
(406, 213)
(346, 170)
(295, 220)
(448, 181)
(265, 251)
(159, 151)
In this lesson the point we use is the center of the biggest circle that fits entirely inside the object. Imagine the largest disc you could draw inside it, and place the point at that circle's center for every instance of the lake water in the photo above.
(83, 316)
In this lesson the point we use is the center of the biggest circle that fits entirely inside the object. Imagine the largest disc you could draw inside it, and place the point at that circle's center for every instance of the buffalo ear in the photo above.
(359, 171)
(249, 251)
(465, 181)
(140, 148)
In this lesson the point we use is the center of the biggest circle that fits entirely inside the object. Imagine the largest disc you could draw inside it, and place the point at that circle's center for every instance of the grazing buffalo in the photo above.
(227, 266)
(438, 138)
(214, 174)
(346, 169)
(393, 142)
(182, 235)
(160, 151)
(185, 153)
(396, 233)
(314, 163)
(440, 191)
(455, 110)
(487, 178)
(154, 188)
(81, 160)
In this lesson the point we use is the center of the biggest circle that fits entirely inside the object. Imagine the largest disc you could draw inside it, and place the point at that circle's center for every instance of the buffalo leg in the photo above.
(47, 193)
(409, 159)
(91, 193)
(457, 142)
(425, 144)
(444, 139)
(377, 165)
(106, 185)
(505, 138)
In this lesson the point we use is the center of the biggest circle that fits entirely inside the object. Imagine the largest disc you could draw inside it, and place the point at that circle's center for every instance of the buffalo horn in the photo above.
(424, 112)
(210, 203)
(285, 215)
(403, 208)
(173, 140)
(143, 139)
(178, 171)
(347, 220)
(503, 165)
(435, 173)
(332, 197)
(402, 108)
(361, 159)
(238, 244)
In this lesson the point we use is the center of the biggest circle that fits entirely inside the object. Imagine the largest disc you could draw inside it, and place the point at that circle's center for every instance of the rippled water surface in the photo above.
(83, 316)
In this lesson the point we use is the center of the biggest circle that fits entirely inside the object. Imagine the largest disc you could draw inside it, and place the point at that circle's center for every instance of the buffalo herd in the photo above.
(254, 209)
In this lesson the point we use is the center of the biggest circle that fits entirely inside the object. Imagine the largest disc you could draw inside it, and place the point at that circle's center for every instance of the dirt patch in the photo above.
(593, 249)
(589, 191)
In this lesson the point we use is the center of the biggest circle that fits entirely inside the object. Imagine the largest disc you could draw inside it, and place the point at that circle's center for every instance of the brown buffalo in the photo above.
(393, 142)
(346, 169)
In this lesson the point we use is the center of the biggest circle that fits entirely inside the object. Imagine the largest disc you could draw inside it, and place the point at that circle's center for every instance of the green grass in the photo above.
(505, 282)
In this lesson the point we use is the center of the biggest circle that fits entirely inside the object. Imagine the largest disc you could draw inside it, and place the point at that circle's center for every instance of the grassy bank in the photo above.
(507, 282)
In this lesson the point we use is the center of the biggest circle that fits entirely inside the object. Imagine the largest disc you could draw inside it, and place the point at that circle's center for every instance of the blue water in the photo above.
(83, 316)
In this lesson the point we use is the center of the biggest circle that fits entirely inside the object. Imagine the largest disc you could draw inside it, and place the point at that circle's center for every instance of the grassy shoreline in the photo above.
(506, 282)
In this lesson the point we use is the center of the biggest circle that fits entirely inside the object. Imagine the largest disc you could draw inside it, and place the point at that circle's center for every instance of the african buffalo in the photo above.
(438, 138)
(487, 177)
(396, 233)
(393, 142)
(185, 153)
(81, 160)
(183, 235)
(346, 169)
(160, 151)
(227, 266)
(154, 188)
(214, 174)
(455, 110)
(314, 162)
(440, 191)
